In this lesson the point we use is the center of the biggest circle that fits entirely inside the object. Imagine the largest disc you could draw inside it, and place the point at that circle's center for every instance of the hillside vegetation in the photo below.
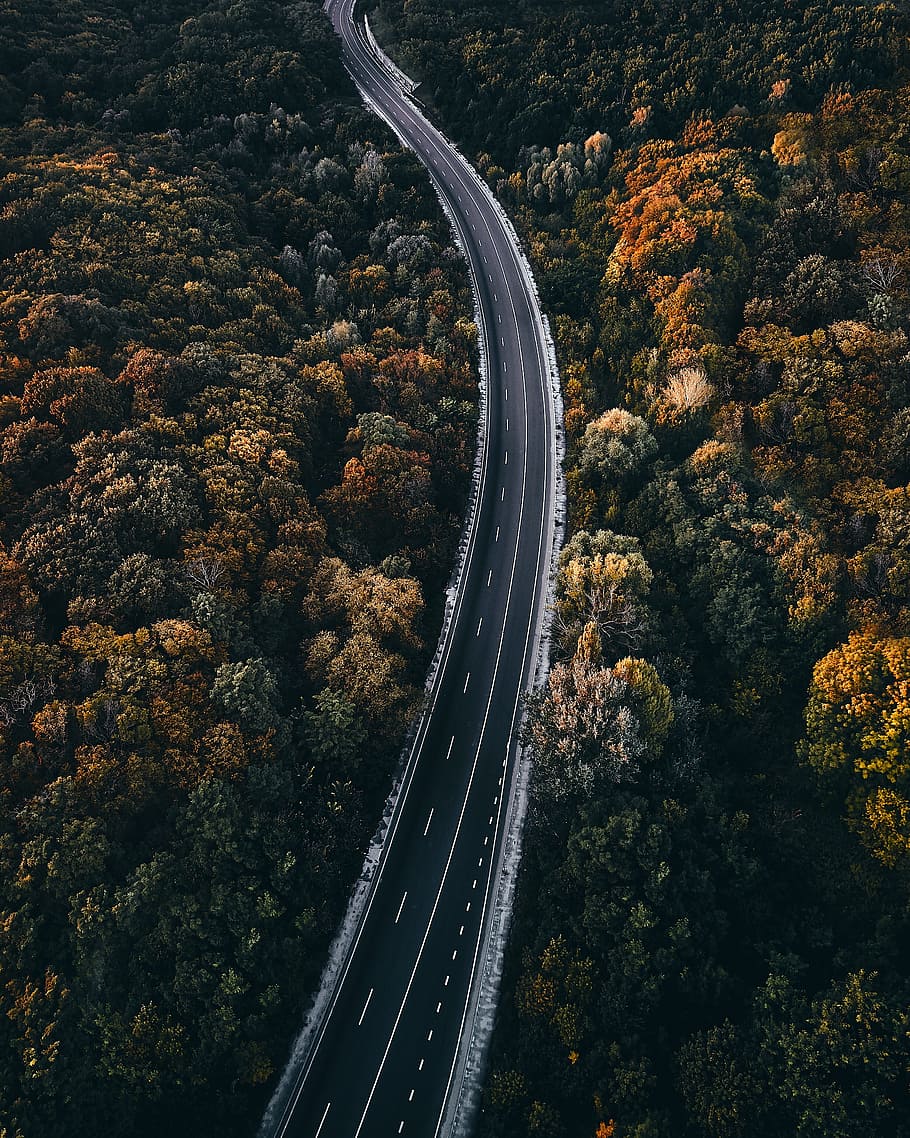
(237, 420)
(712, 934)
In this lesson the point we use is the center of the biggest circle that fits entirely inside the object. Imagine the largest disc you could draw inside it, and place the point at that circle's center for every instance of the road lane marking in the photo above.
(401, 906)
(486, 839)
(489, 578)
(505, 366)
(450, 161)
(461, 931)
(497, 534)
(322, 1121)
(507, 395)
(490, 823)
(479, 626)
(466, 682)
(467, 907)
(429, 820)
(420, 1065)
(451, 745)
(455, 953)
(474, 883)
(401, 1126)
(500, 317)
(502, 495)
(502, 341)
(446, 984)
(411, 1095)
(365, 1006)
(507, 422)
(430, 1036)
(506, 463)
(479, 862)
(439, 1007)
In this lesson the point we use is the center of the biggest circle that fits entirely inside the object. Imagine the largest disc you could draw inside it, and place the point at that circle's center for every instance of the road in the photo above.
(386, 1060)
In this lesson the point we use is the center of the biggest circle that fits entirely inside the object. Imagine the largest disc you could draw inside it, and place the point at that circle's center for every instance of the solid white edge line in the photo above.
(548, 408)
(317, 1020)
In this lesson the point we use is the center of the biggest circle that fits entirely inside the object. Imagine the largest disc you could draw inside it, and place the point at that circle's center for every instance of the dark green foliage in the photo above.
(711, 934)
(232, 325)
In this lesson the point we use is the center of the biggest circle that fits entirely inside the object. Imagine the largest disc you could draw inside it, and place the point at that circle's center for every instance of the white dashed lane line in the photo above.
(365, 1006)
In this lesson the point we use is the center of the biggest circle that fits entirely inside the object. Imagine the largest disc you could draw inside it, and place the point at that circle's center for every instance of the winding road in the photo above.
(388, 1056)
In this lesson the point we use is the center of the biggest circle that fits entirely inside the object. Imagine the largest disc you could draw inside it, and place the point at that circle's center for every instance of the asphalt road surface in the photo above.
(385, 1060)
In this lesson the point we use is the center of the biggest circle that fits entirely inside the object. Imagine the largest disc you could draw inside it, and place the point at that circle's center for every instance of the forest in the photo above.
(238, 412)
(712, 934)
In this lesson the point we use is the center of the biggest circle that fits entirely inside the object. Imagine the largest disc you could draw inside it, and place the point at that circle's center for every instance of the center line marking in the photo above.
(505, 366)
(322, 1123)
(506, 463)
(438, 1007)
(479, 626)
(497, 534)
(430, 1036)
(365, 1006)
(467, 907)
(401, 906)
(461, 931)
(455, 953)
(489, 578)
(401, 1126)
(420, 1065)
(449, 752)
(429, 820)
(507, 422)
(480, 221)
(466, 682)
(507, 395)
(502, 493)
(411, 1095)
(446, 984)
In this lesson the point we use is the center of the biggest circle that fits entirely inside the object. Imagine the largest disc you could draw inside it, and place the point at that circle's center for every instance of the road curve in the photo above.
(387, 1056)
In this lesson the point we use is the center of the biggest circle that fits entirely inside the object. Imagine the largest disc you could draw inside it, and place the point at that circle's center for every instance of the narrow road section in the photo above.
(388, 1055)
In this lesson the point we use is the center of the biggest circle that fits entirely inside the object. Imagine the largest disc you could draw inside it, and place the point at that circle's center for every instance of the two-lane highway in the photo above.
(385, 1059)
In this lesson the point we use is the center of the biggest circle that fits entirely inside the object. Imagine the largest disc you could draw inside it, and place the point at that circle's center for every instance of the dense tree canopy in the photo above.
(237, 412)
(711, 930)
